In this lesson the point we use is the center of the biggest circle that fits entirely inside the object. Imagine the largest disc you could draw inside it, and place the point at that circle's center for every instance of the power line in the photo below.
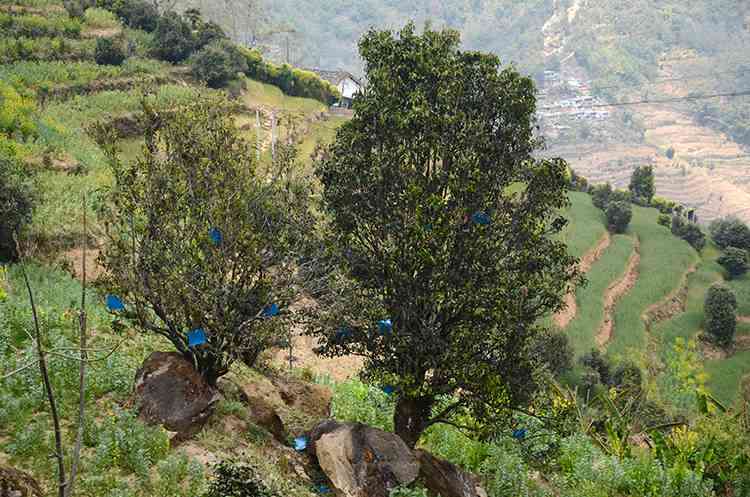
(661, 101)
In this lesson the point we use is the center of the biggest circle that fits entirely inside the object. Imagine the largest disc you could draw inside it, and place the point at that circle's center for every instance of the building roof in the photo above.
(335, 77)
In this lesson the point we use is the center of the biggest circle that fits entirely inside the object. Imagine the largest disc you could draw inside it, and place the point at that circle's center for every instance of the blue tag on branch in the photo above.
(388, 389)
(481, 218)
(271, 311)
(114, 303)
(323, 489)
(300, 444)
(519, 434)
(216, 236)
(196, 337)
(385, 326)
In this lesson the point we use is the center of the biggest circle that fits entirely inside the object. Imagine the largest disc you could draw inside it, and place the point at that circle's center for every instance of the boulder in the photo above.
(446, 479)
(314, 400)
(170, 392)
(14, 483)
(263, 414)
(362, 461)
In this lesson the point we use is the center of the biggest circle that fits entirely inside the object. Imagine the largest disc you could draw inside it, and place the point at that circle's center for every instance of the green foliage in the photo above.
(109, 51)
(736, 261)
(234, 480)
(16, 203)
(212, 185)
(619, 215)
(553, 350)
(217, 63)
(664, 205)
(292, 81)
(408, 492)
(44, 48)
(642, 184)
(688, 231)
(35, 26)
(435, 239)
(137, 14)
(174, 40)
(358, 402)
(127, 443)
(721, 313)
(600, 195)
(97, 18)
(730, 232)
(178, 475)
(16, 113)
(664, 220)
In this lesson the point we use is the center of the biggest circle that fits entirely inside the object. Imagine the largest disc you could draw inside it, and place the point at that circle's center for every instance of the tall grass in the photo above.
(664, 260)
(741, 287)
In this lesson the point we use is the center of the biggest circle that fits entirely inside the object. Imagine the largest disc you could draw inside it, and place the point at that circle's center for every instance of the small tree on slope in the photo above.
(642, 184)
(197, 240)
(736, 261)
(444, 220)
(720, 310)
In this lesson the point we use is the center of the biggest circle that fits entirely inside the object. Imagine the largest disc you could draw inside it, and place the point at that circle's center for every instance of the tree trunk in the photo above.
(410, 418)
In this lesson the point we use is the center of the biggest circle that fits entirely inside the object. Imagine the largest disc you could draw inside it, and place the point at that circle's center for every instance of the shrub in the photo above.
(553, 349)
(595, 361)
(234, 480)
(217, 63)
(730, 232)
(210, 32)
(16, 114)
(578, 182)
(16, 204)
(100, 19)
(642, 184)
(173, 38)
(664, 205)
(138, 14)
(664, 220)
(720, 310)
(109, 51)
(688, 231)
(600, 195)
(619, 215)
(735, 261)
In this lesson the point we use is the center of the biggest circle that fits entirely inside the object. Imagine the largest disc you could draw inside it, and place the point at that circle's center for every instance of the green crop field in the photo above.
(585, 224)
(664, 260)
(610, 267)
(724, 375)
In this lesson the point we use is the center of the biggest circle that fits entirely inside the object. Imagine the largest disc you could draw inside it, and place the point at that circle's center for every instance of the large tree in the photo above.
(445, 221)
(198, 241)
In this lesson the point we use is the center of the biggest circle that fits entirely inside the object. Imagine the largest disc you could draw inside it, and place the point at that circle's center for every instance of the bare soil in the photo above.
(614, 293)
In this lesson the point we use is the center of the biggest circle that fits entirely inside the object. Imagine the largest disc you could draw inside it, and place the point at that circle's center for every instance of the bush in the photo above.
(664, 220)
(16, 114)
(554, 351)
(217, 63)
(600, 195)
(688, 231)
(596, 362)
(720, 310)
(16, 204)
(619, 215)
(664, 205)
(210, 32)
(730, 232)
(138, 14)
(735, 261)
(109, 52)
(100, 19)
(642, 184)
(234, 480)
(173, 38)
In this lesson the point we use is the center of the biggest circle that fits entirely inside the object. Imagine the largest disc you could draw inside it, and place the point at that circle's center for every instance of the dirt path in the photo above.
(616, 291)
(670, 306)
(743, 319)
(563, 318)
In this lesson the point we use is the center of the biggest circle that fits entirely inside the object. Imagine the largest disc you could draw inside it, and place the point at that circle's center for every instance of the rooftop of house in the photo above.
(335, 77)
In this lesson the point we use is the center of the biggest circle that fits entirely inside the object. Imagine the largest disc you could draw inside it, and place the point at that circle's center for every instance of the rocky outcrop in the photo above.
(170, 392)
(362, 461)
(445, 479)
(14, 483)
(263, 414)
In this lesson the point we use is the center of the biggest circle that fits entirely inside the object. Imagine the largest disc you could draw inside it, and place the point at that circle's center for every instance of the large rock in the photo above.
(263, 414)
(362, 461)
(14, 483)
(170, 392)
(446, 479)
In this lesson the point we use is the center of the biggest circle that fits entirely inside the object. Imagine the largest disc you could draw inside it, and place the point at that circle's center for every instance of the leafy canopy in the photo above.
(642, 184)
(444, 222)
(735, 261)
(619, 215)
(730, 232)
(720, 309)
(198, 239)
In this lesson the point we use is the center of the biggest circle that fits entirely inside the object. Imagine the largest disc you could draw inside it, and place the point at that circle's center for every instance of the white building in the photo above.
(348, 85)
